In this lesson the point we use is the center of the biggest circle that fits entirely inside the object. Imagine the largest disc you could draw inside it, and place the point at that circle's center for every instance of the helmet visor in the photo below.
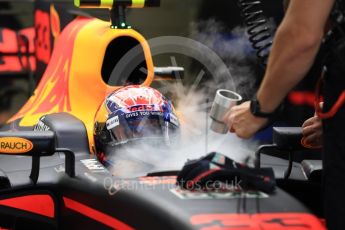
(125, 127)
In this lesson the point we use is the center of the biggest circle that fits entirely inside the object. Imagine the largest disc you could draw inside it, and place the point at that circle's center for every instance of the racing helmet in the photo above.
(131, 114)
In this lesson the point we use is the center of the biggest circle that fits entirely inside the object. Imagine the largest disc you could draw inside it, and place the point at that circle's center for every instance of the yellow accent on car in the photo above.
(107, 4)
(81, 87)
(138, 3)
(77, 3)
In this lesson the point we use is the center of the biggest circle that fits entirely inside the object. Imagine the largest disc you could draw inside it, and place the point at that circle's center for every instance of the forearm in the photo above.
(295, 46)
(287, 66)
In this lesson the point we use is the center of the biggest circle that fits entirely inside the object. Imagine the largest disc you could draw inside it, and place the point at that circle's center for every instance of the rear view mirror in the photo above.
(27, 143)
(36, 144)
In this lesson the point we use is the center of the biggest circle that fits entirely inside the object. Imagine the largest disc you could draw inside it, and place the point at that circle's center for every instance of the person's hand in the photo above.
(312, 132)
(241, 121)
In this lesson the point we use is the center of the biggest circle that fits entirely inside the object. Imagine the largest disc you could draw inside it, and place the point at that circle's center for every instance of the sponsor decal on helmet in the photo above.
(151, 113)
(144, 108)
(112, 122)
(15, 145)
(129, 115)
(173, 119)
(143, 113)
(111, 105)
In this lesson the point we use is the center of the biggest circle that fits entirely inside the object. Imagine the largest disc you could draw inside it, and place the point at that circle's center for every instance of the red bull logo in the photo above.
(144, 108)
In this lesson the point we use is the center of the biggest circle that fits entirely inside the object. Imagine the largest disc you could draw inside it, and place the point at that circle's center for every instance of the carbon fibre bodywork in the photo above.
(94, 199)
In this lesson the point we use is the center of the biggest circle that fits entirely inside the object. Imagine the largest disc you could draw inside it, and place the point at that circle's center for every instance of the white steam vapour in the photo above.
(233, 48)
(196, 140)
(193, 111)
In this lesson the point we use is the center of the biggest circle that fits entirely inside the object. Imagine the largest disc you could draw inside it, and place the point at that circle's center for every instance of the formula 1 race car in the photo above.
(50, 177)
(60, 185)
